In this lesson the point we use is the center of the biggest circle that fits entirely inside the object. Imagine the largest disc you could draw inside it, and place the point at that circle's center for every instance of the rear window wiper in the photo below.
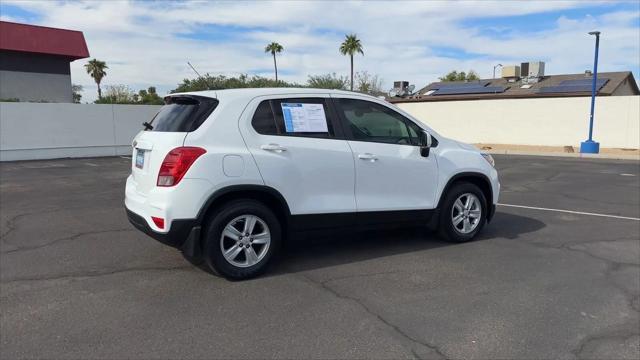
(147, 126)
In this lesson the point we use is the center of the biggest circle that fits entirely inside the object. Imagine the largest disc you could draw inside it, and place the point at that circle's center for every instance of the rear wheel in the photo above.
(241, 239)
(463, 213)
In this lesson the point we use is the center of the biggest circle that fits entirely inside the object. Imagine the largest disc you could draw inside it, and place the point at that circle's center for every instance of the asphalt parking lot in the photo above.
(77, 281)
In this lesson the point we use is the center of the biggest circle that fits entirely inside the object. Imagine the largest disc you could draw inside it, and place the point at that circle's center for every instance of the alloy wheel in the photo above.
(466, 213)
(245, 240)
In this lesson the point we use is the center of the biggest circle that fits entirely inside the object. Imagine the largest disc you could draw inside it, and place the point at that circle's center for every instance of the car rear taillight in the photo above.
(176, 164)
(158, 221)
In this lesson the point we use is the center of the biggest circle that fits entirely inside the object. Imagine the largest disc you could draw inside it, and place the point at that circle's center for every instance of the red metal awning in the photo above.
(42, 40)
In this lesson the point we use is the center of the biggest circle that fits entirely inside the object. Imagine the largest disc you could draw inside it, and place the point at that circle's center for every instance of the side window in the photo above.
(263, 121)
(307, 117)
(369, 121)
(414, 132)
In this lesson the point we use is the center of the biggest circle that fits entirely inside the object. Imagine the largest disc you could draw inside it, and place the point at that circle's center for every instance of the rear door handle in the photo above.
(273, 147)
(367, 156)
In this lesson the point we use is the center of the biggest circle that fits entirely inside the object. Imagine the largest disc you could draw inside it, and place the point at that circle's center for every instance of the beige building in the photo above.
(535, 109)
(513, 87)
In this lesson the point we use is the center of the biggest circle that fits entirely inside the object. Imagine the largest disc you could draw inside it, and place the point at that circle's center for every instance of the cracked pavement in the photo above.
(77, 281)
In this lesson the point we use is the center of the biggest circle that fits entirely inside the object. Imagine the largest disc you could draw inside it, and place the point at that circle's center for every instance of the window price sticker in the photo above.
(299, 117)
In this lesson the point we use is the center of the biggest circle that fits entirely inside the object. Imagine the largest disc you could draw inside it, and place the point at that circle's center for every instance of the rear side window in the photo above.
(183, 113)
(263, 120)
(305, 117)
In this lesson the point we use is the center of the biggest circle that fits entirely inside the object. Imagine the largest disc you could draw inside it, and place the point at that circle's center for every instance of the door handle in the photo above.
(273, 147)
(367, 156)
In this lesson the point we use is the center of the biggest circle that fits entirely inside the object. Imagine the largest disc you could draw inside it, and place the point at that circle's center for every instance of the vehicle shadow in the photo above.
(315, 253)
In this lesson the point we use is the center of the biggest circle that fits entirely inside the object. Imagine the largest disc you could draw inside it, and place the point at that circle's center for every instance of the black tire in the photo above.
(446, 228)
(213, 255)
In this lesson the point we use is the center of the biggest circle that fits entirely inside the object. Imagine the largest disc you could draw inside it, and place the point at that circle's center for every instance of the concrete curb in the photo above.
(560, 154)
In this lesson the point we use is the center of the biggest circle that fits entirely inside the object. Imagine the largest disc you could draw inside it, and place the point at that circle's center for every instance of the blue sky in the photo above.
(536, 22)
(148, 43)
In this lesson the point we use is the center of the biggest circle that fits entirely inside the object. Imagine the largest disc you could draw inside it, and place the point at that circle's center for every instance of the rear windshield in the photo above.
(182, 113)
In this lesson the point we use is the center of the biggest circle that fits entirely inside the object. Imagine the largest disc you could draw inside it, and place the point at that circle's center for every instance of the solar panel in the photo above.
(599, 82)
(565, 89)
(470, 90)
(462, 85)
(568, 86)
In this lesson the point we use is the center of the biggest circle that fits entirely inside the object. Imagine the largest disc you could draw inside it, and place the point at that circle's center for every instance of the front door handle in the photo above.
(273, 147)
(368, 157)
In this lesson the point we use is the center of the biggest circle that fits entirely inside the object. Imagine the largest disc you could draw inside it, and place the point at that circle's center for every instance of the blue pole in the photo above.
(593, 87)
(591, 146)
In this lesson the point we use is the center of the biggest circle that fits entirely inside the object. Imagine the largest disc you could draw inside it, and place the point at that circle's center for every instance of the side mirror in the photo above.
(425, 143)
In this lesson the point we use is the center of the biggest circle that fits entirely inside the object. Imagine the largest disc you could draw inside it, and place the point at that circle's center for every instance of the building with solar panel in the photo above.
(527, 80)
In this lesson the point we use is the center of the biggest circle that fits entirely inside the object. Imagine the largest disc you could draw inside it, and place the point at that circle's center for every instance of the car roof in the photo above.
(250, 93)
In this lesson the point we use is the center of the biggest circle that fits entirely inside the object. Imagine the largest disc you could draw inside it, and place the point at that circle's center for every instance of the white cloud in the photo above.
(144, 43)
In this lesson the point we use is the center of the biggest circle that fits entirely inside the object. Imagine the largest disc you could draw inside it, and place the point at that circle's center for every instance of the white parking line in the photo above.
(571, 212)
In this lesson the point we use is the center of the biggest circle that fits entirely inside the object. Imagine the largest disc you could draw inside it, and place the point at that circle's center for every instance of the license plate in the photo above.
(140, 158)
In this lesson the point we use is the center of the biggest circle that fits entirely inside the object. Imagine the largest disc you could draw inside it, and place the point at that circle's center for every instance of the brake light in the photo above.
(176, 164)
(158, 221)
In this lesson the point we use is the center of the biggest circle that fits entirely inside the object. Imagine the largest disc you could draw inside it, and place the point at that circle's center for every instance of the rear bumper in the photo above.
(180, 229)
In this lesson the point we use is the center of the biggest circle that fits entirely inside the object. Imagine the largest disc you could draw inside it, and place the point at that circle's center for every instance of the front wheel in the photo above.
(241, 239)
(463, 213)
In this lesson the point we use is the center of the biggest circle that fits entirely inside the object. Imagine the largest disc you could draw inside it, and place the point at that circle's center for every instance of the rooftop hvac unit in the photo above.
(401, 89)
(530, 80)
(512, 71)
(532, 69)
(400, 85)
(524, 69)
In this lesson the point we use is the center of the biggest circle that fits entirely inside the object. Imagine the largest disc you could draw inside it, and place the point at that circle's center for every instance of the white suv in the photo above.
(229, 175)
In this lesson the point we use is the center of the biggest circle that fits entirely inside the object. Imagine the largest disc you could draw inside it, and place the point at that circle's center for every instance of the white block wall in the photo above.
(541, 121)
(44, 131)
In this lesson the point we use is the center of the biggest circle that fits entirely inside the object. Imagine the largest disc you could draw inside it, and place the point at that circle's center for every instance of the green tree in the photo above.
(369, 83)
(96, 69)
(274, 48)
(122, 94)
(117, 94)
(472, 75)
(460, 76)
(76, 89)
(149, 97)
(220, 82)
(351, 46)
(327, 81)
(198, 84)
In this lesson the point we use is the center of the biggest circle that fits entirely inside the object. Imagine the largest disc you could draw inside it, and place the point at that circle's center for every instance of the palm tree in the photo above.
(351, 46)
(96, 69)
(274, 48)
